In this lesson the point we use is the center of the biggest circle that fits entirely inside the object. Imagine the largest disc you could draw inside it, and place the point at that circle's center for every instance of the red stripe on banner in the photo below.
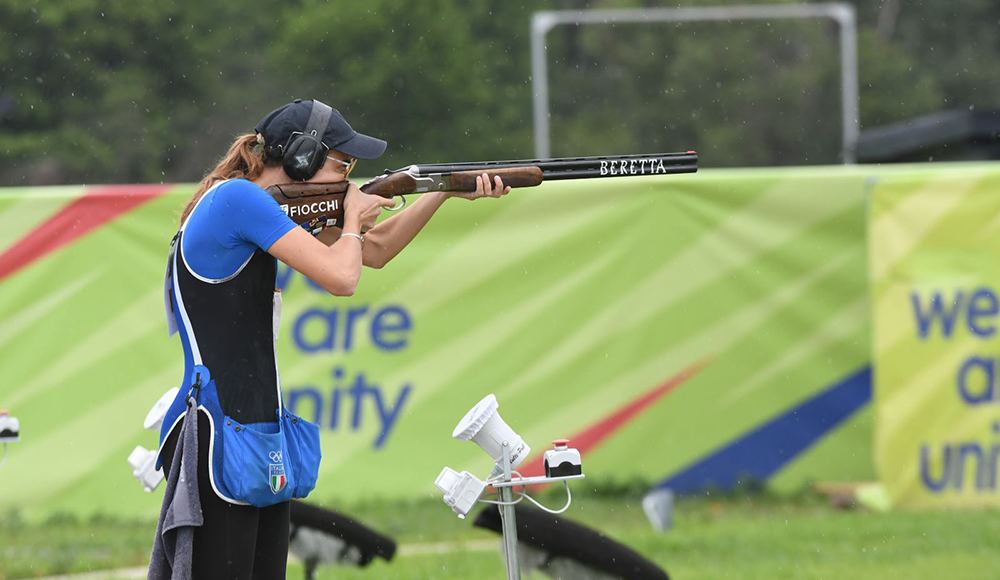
(594, 435)
(91, 210)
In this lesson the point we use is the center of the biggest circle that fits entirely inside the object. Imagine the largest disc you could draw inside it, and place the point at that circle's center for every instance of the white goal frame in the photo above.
(843, 14)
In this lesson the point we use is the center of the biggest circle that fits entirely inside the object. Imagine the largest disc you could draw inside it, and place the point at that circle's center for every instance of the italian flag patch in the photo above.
(277, 476)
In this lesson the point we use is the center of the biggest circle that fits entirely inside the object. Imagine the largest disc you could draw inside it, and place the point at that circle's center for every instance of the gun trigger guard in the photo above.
(402, 204)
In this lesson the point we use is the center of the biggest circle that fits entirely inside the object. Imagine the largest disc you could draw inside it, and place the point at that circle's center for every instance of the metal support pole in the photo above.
(509, 520)
(845, 17)
(541, 23)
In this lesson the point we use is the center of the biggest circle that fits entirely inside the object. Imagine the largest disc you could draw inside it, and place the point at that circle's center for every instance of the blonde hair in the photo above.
(244, 159)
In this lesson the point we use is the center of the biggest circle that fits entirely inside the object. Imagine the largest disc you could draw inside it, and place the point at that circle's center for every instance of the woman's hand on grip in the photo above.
(364, 207)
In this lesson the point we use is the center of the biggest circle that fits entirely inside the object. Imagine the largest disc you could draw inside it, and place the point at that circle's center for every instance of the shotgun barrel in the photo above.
(577, 167)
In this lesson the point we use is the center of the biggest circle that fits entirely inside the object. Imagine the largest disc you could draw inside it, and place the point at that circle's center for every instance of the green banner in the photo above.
(934, 243)
(679, 330)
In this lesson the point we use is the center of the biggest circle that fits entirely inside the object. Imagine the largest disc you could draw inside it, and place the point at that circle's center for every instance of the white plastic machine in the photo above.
(142, 460)
(484, 426)
(10, 432)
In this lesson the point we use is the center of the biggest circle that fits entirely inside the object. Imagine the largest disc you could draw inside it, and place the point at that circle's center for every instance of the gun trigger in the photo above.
(402, 203)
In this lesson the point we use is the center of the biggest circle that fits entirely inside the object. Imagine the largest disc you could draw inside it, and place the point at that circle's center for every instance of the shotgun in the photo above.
(317, 206)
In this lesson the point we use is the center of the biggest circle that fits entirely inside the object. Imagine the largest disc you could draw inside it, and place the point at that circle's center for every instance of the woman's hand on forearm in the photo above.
(484, 188)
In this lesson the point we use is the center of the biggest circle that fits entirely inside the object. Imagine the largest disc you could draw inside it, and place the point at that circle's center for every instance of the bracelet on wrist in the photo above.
(353, 235)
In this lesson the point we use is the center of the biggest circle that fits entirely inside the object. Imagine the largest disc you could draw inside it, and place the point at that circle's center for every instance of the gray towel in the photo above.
(173, 546)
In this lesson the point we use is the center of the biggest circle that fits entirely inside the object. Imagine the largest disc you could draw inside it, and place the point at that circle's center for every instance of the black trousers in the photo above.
(237, 542)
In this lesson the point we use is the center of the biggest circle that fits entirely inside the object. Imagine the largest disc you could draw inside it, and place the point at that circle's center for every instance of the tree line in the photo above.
(121, 92)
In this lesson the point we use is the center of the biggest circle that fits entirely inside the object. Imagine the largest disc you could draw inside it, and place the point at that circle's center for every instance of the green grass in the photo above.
(746, 536)
(64, 543)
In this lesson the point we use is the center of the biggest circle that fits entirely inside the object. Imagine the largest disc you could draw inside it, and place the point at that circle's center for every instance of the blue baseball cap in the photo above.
(277, 127)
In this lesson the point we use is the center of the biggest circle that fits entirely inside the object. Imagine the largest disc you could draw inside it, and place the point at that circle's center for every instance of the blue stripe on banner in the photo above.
(760, 453)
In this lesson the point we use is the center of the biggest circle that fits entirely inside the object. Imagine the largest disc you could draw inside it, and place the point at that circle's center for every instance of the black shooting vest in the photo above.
(233, 324)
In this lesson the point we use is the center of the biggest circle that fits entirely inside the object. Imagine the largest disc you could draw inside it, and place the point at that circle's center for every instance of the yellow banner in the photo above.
(934, 245)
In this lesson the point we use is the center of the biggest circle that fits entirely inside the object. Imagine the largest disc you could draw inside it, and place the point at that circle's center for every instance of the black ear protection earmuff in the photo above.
(305, 152)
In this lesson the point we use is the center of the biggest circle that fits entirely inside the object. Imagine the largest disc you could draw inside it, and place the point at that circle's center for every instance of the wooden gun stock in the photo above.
(303, 190)
(314, 206)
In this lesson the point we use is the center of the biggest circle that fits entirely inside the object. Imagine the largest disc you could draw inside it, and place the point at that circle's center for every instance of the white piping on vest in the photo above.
(276, 320)
(188, 328)
(213, 280)
(211, 453)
